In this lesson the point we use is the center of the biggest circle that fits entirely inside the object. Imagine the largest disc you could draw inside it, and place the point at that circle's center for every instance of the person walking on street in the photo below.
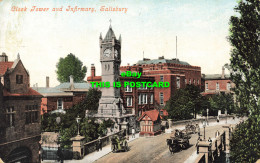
(99, 144)
(133, 133)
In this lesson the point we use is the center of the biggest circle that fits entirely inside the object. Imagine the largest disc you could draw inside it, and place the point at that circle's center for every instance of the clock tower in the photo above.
(110, 104)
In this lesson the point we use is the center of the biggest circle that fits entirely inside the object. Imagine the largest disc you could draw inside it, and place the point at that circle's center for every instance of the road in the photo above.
(154, 149)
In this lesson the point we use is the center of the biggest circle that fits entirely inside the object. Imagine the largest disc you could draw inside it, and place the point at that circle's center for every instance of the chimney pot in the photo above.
(47, 82)
(223, 73)
(71, 79)
(93, 70)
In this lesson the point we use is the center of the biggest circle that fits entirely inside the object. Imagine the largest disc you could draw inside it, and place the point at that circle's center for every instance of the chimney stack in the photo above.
(71, 80)
(93, 70)
(3, 57)
(223, 73)
(47, 82)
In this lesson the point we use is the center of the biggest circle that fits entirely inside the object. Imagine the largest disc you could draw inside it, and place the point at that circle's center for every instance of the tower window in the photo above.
(129, 101)
(19, 79)
(178, 82)
(10, 116)
(161, 78)
(128, 88)
(161, 98)
(31, 113)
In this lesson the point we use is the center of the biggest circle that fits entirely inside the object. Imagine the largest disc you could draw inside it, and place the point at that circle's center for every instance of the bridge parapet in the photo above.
(209, 150)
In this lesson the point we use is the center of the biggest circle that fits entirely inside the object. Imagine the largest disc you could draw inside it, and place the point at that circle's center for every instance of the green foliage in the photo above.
(70, 65)
(244, 145)
(185, 103)
(89, 129)
(68, 125)
(92, 99)
(245, 58)
(221, 102)
(102, 129)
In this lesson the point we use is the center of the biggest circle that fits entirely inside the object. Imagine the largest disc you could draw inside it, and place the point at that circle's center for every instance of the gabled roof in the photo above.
(153, 114)
(4, 66)
(110, 34)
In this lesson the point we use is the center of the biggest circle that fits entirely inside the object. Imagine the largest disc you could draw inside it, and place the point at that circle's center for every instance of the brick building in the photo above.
(150, 123)
(20, 129)
(63, 96)
(217, 83)
(174, 71)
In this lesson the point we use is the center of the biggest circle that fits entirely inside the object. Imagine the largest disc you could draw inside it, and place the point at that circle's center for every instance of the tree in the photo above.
(70, 65)
(68, 125)
(221, 102)
(245, 58)
(185, 103)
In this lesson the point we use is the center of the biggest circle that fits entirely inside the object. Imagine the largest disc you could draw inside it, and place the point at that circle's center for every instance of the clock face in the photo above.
(116, 53)
(107, 53)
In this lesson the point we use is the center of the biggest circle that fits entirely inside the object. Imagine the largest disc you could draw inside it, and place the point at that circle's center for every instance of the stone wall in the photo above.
(106, 140)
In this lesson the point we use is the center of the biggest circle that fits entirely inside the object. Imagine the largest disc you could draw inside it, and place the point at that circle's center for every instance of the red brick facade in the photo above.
(20, 129)
(63, 96)
(150, 123)
(216, 83)
(168, 72)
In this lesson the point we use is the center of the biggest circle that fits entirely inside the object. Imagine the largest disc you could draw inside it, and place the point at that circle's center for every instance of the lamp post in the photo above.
(207, 116)
(78, 120)
(226, 115)
(204, 125)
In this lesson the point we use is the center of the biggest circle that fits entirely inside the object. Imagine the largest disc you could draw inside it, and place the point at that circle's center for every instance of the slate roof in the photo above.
(153, 114)
(30, 92)
(156, 61)
(51, 91)
(64, 89)
(110, 34)
(67, 85)
(216, 76)
(4, 66)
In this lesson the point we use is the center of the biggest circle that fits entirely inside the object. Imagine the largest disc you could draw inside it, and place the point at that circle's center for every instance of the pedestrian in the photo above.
(217, 133)
(133, 132)
(218, 118)
(209, 140)
(99, 144)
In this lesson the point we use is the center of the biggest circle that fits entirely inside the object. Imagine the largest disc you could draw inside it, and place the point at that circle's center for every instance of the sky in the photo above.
(148, 26)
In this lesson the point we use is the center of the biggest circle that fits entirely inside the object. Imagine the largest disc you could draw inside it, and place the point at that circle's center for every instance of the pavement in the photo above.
(189, 156)
(94, 155)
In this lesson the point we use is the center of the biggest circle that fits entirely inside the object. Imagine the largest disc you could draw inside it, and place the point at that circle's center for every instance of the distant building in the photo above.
(217, 83)
(20, 128)
(150, 123)
(63, 96)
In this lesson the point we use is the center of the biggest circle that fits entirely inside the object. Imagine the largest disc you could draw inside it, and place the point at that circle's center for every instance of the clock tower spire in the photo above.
(110, 104)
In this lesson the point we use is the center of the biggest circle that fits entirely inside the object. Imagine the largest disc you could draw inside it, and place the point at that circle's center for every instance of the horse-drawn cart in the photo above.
(178, 141)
